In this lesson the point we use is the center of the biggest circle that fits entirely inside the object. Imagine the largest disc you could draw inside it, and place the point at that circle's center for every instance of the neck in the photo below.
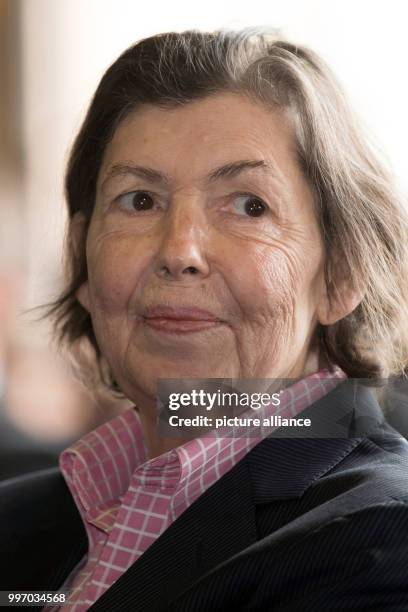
(157, 444)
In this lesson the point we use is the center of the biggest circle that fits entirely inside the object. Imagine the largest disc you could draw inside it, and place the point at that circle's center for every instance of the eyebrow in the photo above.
(229, 170)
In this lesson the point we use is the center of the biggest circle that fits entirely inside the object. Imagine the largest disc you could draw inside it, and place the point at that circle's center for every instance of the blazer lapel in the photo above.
(286, 463)
(219, 524)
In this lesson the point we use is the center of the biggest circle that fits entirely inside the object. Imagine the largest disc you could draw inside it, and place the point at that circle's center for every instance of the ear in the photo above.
(77, 238)
(339, 300)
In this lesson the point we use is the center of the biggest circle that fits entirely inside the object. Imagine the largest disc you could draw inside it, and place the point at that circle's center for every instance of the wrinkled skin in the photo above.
(261, 275)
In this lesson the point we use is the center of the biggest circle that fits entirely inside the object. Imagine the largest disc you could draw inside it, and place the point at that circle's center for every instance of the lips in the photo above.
(180, 319)
(179, 313)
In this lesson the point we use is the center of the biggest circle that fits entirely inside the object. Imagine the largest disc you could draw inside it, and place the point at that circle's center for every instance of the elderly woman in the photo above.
(227, 220)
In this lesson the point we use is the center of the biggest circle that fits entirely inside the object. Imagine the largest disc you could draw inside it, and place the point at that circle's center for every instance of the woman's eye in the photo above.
(250, 205)
(137, 200)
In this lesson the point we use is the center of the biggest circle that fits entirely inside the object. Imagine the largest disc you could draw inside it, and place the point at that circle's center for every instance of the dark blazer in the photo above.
(303, 524)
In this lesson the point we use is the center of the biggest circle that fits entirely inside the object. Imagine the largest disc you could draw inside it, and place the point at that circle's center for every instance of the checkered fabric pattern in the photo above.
(127, 501)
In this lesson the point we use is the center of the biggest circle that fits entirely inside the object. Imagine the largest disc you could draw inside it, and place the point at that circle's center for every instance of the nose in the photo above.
(181, 254)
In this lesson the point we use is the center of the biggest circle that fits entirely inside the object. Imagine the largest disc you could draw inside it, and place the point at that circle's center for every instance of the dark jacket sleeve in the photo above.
(41, 533)
(358, 561)
(355, 562)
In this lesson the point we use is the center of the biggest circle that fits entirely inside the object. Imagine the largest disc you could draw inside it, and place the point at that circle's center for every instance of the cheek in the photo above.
(275, 284)
(265, 285)
(115, 268)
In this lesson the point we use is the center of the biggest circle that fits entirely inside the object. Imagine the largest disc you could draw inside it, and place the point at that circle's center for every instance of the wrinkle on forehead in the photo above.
(228, 125)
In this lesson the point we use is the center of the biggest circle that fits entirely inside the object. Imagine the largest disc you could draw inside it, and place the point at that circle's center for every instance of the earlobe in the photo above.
(338, 303)
(82, 296)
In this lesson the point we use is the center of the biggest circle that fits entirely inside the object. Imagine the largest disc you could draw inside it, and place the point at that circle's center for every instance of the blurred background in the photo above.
(52, 55)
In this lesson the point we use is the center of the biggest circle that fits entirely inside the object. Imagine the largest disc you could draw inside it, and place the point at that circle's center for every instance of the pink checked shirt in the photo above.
(127, 501)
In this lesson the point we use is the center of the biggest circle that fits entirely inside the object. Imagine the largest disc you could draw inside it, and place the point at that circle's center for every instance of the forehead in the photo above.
(195, 137)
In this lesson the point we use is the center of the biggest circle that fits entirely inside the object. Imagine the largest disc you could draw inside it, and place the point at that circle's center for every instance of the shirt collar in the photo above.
(99, 467)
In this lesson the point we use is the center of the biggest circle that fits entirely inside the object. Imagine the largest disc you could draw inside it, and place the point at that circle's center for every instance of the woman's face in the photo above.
(203, 207)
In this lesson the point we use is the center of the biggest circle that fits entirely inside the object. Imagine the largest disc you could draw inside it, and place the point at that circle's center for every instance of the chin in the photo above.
(148, 381)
